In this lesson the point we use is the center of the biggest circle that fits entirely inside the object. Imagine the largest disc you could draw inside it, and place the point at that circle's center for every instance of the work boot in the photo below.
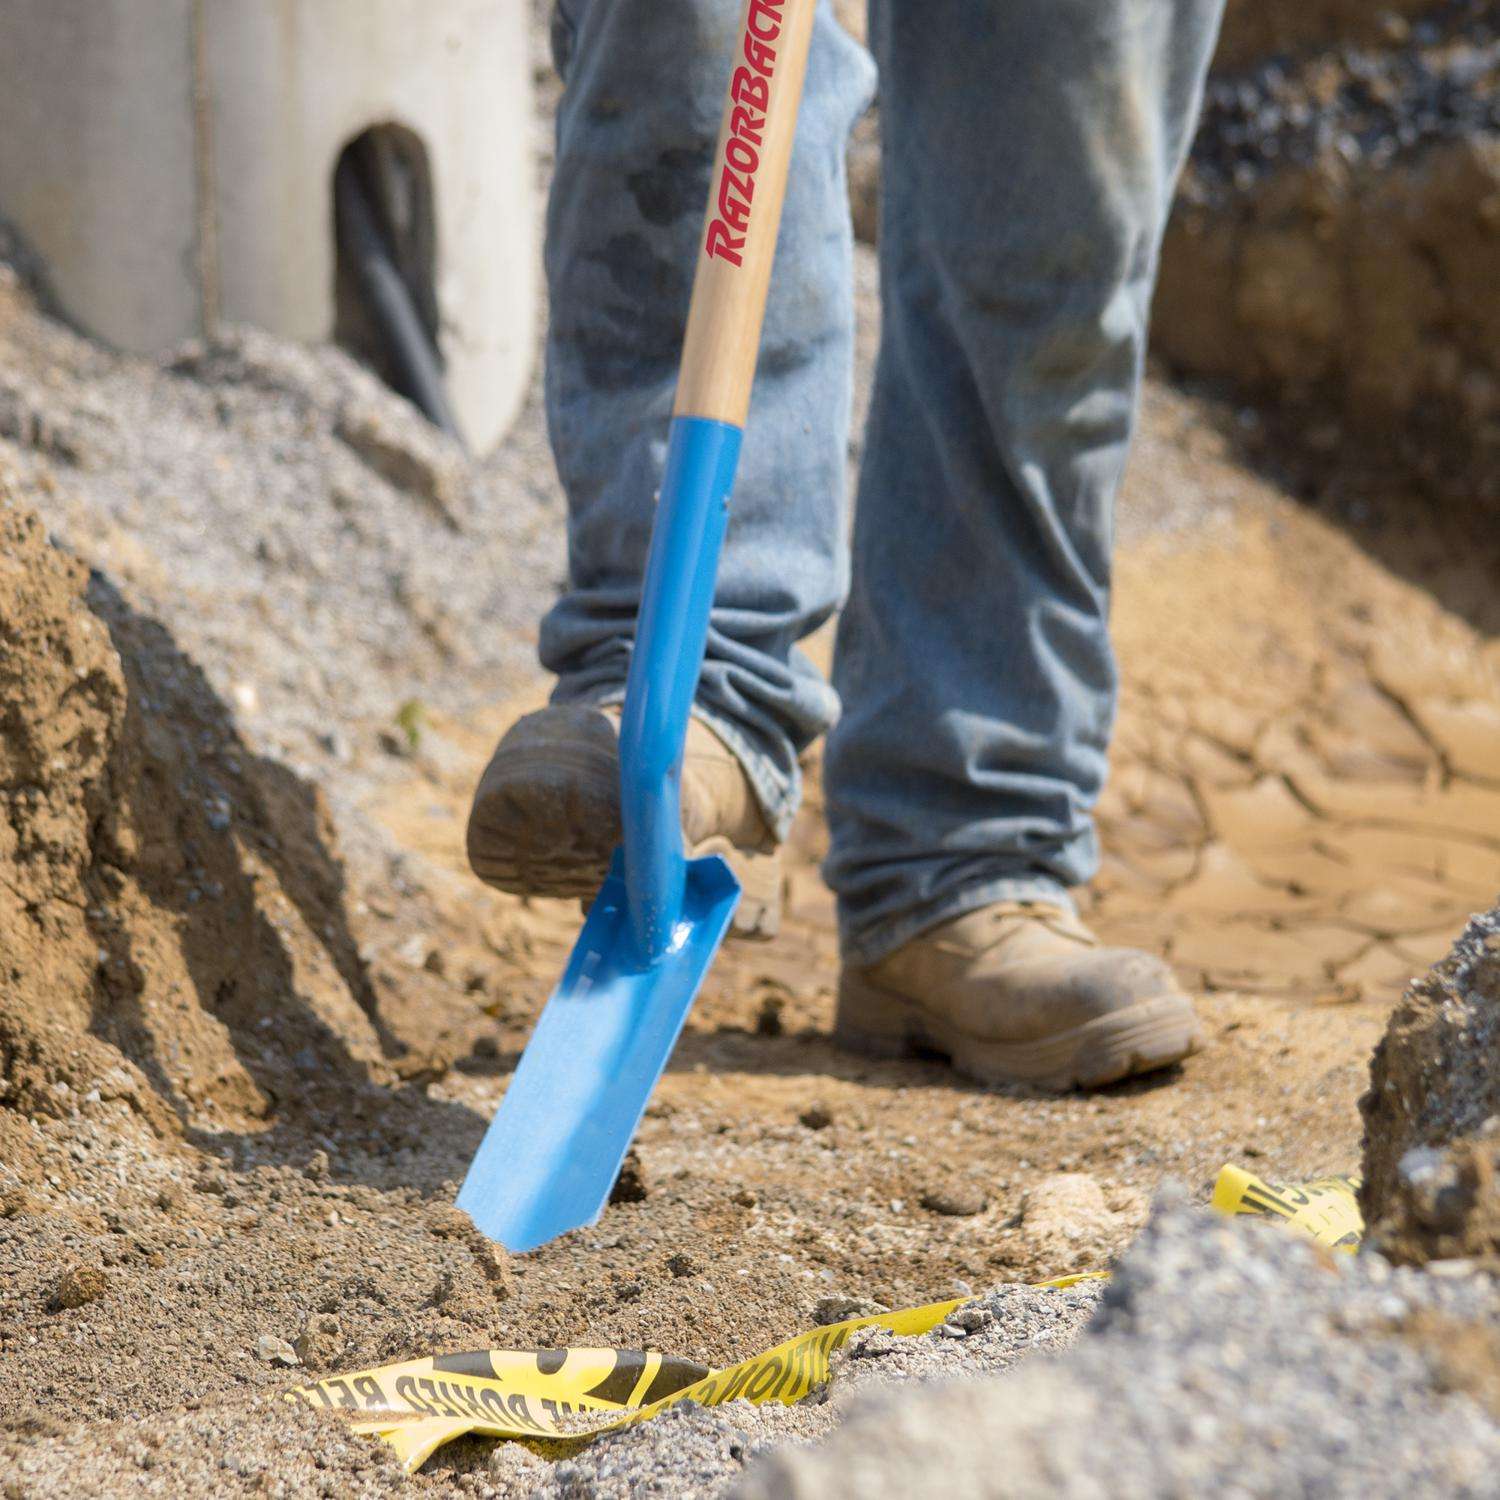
(1019, 993)
(546, 816)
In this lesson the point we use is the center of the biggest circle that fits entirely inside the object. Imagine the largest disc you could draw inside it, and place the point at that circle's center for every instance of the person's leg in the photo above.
(1030, 154)
(645, 83)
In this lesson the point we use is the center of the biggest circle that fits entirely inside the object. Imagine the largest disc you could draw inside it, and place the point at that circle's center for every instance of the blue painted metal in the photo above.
(554, 1148)
(669, 641)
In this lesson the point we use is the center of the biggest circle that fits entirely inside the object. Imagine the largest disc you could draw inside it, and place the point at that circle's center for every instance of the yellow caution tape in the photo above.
(1326, 1210)
(421, 1404)
(1062, 1283)
(550, 1395)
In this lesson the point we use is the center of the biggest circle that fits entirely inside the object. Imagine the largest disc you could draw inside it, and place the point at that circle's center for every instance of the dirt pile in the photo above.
(1226, 1358)
(321, 553)
(1432, 1115)
(1336, 237)
(163, 892)
(256, 1445)
(62, 702)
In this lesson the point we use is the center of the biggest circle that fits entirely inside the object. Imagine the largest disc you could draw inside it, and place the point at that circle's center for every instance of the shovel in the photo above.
(554, 1149)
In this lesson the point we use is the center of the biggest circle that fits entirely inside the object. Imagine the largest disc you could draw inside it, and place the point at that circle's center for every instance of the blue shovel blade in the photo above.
(553, 1150)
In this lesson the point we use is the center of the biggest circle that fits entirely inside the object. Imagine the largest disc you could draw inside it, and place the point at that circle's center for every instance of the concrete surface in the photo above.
(172, 165)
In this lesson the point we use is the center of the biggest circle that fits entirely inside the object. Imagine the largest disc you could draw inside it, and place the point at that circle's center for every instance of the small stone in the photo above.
(1457, 1267)
(335, 744)
(274, 1351)
(840, 1308)
(960, 1202)
(414, 952)
(411, 456)
(971, 1319)
(817, 1116)
(80, 1285)
(1434, 1184)
(745, 1197)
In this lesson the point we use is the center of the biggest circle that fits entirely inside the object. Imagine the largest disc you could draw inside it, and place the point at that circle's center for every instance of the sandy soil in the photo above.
(1304, 809)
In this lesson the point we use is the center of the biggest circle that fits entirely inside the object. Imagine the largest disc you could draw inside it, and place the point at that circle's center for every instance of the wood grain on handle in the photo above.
(744, 210)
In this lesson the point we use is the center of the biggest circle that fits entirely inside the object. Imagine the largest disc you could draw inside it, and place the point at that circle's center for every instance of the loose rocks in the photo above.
(275, 1351)
(841, 1307)
(1432, 1115)
(1227, 1358)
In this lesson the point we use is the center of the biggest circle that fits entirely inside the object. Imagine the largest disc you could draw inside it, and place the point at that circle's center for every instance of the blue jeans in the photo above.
(1031, 150)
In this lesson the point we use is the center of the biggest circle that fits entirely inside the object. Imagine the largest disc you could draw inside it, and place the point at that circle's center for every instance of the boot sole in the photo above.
(1146, 1036)
(553, 826)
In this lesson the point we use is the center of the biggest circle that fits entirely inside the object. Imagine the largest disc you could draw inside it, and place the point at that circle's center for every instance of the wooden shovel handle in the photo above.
(744, 210)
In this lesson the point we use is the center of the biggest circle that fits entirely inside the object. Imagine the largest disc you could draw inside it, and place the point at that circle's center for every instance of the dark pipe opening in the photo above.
(386, 311)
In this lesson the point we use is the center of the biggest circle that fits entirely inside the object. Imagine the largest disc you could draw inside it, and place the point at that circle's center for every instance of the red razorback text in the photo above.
(750, 92)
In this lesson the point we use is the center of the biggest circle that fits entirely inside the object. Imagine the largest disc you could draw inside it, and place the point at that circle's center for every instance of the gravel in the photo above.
(1440, 78)
(325, 554)
(692, 1450)
(1228, 1358)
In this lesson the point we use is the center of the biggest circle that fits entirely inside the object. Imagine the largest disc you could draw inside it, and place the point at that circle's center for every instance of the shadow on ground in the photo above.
(238, 852)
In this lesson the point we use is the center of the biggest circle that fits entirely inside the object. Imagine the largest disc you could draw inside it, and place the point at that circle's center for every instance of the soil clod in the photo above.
(80, 1285)
(959, 1202)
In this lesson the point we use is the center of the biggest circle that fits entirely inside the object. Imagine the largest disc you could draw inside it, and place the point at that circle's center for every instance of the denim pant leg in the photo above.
(1031, 150)
(644, 89)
